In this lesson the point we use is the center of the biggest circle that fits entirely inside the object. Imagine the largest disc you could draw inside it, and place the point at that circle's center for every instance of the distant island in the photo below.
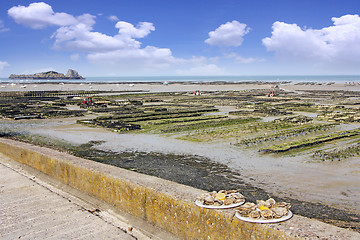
(71, 74)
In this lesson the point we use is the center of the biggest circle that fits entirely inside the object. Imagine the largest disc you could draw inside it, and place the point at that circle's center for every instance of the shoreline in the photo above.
(180, 86)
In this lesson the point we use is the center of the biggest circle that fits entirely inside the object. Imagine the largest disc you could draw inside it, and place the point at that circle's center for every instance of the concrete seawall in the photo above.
(162, 203)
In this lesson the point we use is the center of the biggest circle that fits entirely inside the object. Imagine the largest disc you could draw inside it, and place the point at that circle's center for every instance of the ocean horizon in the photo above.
(263, 78)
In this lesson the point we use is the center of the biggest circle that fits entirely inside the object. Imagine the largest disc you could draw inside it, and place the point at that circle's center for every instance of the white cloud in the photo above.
(77, 34)
(2, 27)
(127, 30)
(113, 18)
(199, 66)
(81, 37)
(228, 34)
(135, 58)
(123, 52)
(241, 59)
(335, 44)
(75, 57)
(3, 65)
(40, 15)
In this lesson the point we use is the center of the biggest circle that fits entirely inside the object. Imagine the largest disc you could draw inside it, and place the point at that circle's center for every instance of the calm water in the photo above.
(304, 78)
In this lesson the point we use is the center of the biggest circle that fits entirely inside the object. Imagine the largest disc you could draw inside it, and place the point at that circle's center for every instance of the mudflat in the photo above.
(293, 142)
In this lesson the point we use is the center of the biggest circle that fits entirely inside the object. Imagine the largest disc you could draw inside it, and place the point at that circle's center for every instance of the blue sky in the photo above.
(204, 37)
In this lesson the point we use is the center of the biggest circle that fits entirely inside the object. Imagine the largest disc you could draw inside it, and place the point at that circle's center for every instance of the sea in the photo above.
(269, 78)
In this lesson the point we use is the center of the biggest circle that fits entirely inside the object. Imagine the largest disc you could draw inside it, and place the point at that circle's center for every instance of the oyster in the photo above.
(248, 205)
(213, 194)
(239, 200)
(246, 209)
(255, 214)
(230, 191)
(245, 212)
(223, 197)
(266, 210)
(279, 211)
(270, 202)
(209, 200)
(229, 200)
(283, 204)
(267, 214)
(263, 203)
(217, 202)
(202, 197)
(237, 195)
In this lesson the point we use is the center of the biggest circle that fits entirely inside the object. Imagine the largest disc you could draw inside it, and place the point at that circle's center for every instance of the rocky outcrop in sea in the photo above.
(71, 74)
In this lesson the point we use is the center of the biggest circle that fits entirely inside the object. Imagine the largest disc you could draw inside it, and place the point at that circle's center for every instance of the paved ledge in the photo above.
(163, 203)
(30, 197)
(30, 210)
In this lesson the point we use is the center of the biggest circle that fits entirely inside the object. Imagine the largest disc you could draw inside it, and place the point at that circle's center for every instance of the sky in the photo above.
(180, 37)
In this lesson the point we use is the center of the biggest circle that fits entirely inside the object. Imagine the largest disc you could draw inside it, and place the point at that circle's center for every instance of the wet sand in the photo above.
(332, 183)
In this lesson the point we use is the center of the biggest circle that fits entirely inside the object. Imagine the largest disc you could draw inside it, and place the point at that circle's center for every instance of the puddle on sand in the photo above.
(333, 183)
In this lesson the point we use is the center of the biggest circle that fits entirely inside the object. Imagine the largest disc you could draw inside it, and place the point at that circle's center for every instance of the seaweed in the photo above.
(338, 154)
(311, 141)
(286, 133)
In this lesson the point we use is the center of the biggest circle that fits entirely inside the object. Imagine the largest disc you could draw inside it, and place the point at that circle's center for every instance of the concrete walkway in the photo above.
(32, 209)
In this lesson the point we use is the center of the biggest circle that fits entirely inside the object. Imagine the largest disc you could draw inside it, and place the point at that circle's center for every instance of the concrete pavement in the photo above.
(33, 209)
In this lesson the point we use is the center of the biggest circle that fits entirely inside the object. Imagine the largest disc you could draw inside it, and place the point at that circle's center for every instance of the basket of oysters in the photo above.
(268, 211)
(220, 199)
